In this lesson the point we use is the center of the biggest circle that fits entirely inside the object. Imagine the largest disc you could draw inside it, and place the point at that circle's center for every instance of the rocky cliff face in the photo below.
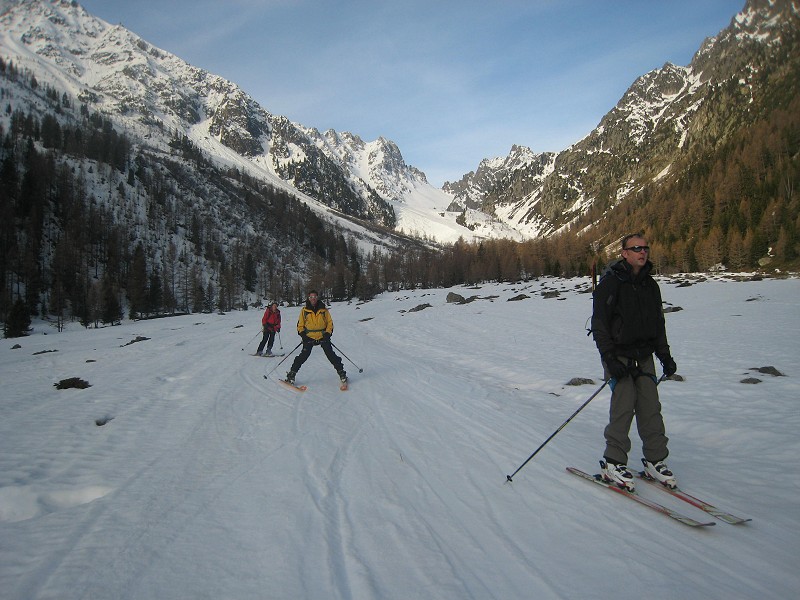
(735, 78)
(152, 94)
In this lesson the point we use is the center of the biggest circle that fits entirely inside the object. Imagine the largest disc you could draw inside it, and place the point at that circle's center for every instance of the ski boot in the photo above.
(659, 472)
(617, 475)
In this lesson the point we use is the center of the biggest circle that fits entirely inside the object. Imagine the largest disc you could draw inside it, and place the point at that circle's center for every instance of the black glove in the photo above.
(326, 336)
(670, 368)
(306, 339)
(615, 366)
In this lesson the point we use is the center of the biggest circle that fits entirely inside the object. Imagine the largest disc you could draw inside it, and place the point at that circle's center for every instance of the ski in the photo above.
(701, 504)
(344, 386)
(268, 355)
(296, 388)
(641, 500)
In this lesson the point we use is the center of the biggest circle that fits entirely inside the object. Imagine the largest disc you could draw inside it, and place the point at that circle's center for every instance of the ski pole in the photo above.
(360, 370)
(564, 424)
(280, 340)
(283, 359)
(254, 337)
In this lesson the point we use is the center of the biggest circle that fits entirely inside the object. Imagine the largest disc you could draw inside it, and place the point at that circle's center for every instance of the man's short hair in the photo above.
(628, 237)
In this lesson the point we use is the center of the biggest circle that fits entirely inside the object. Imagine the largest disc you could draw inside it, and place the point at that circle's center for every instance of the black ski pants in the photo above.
(332, 357)
(267, 340)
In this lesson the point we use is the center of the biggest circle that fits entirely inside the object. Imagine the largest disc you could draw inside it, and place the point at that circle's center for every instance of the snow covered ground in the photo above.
(208, 481)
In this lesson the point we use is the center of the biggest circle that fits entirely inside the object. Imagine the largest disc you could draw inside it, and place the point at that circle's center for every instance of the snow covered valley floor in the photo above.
(181, 473)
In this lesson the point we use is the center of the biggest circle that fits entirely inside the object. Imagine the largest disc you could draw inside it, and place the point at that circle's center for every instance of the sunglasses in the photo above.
(312, 296)
(638, 248)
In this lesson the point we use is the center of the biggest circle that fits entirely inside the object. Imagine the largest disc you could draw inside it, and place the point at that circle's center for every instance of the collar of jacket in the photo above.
(624, 271)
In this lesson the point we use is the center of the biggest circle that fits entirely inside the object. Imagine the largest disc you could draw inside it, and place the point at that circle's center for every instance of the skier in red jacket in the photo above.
(270, 324)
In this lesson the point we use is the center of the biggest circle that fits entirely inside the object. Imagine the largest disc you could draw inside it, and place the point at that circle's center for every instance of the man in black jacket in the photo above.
(628, 327)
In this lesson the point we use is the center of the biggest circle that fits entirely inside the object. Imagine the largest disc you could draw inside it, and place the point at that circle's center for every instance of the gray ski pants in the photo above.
(636, 395)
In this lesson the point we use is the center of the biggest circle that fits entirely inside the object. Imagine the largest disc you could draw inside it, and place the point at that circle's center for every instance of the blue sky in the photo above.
(449, 81)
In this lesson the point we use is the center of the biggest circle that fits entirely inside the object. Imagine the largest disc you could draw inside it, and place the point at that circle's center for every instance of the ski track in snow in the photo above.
(208, 481)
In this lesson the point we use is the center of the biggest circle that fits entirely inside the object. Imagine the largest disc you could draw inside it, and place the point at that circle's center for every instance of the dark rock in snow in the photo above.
(580, 381)
(72, 382)
(769, 371)
(419, 307)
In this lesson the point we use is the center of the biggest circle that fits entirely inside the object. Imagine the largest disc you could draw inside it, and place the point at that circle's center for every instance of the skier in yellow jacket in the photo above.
(315, 327)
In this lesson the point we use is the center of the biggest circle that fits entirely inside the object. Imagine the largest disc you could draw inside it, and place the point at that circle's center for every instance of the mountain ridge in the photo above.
(180, 170)
(147, 89)
(664, 112)
(522, 195)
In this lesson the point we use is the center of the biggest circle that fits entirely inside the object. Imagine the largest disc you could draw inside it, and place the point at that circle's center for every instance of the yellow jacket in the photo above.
(314, 321)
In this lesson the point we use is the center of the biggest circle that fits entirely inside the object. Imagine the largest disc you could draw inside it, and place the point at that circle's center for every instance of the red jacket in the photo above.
(271, 320)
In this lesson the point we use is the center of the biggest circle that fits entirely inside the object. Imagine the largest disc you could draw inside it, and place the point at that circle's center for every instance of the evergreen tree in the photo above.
(111, 312)
(137, 283)
(249, 273)
(199, 298)
(18, 321)
(155, 299)
(208, 303)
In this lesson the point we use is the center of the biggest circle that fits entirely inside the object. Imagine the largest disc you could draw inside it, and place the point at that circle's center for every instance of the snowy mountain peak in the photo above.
(765, 17)
(152, 95)
(117, 72)
(663, 113)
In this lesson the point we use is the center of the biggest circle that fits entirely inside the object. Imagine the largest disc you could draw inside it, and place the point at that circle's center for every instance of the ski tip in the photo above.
(299, 388)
